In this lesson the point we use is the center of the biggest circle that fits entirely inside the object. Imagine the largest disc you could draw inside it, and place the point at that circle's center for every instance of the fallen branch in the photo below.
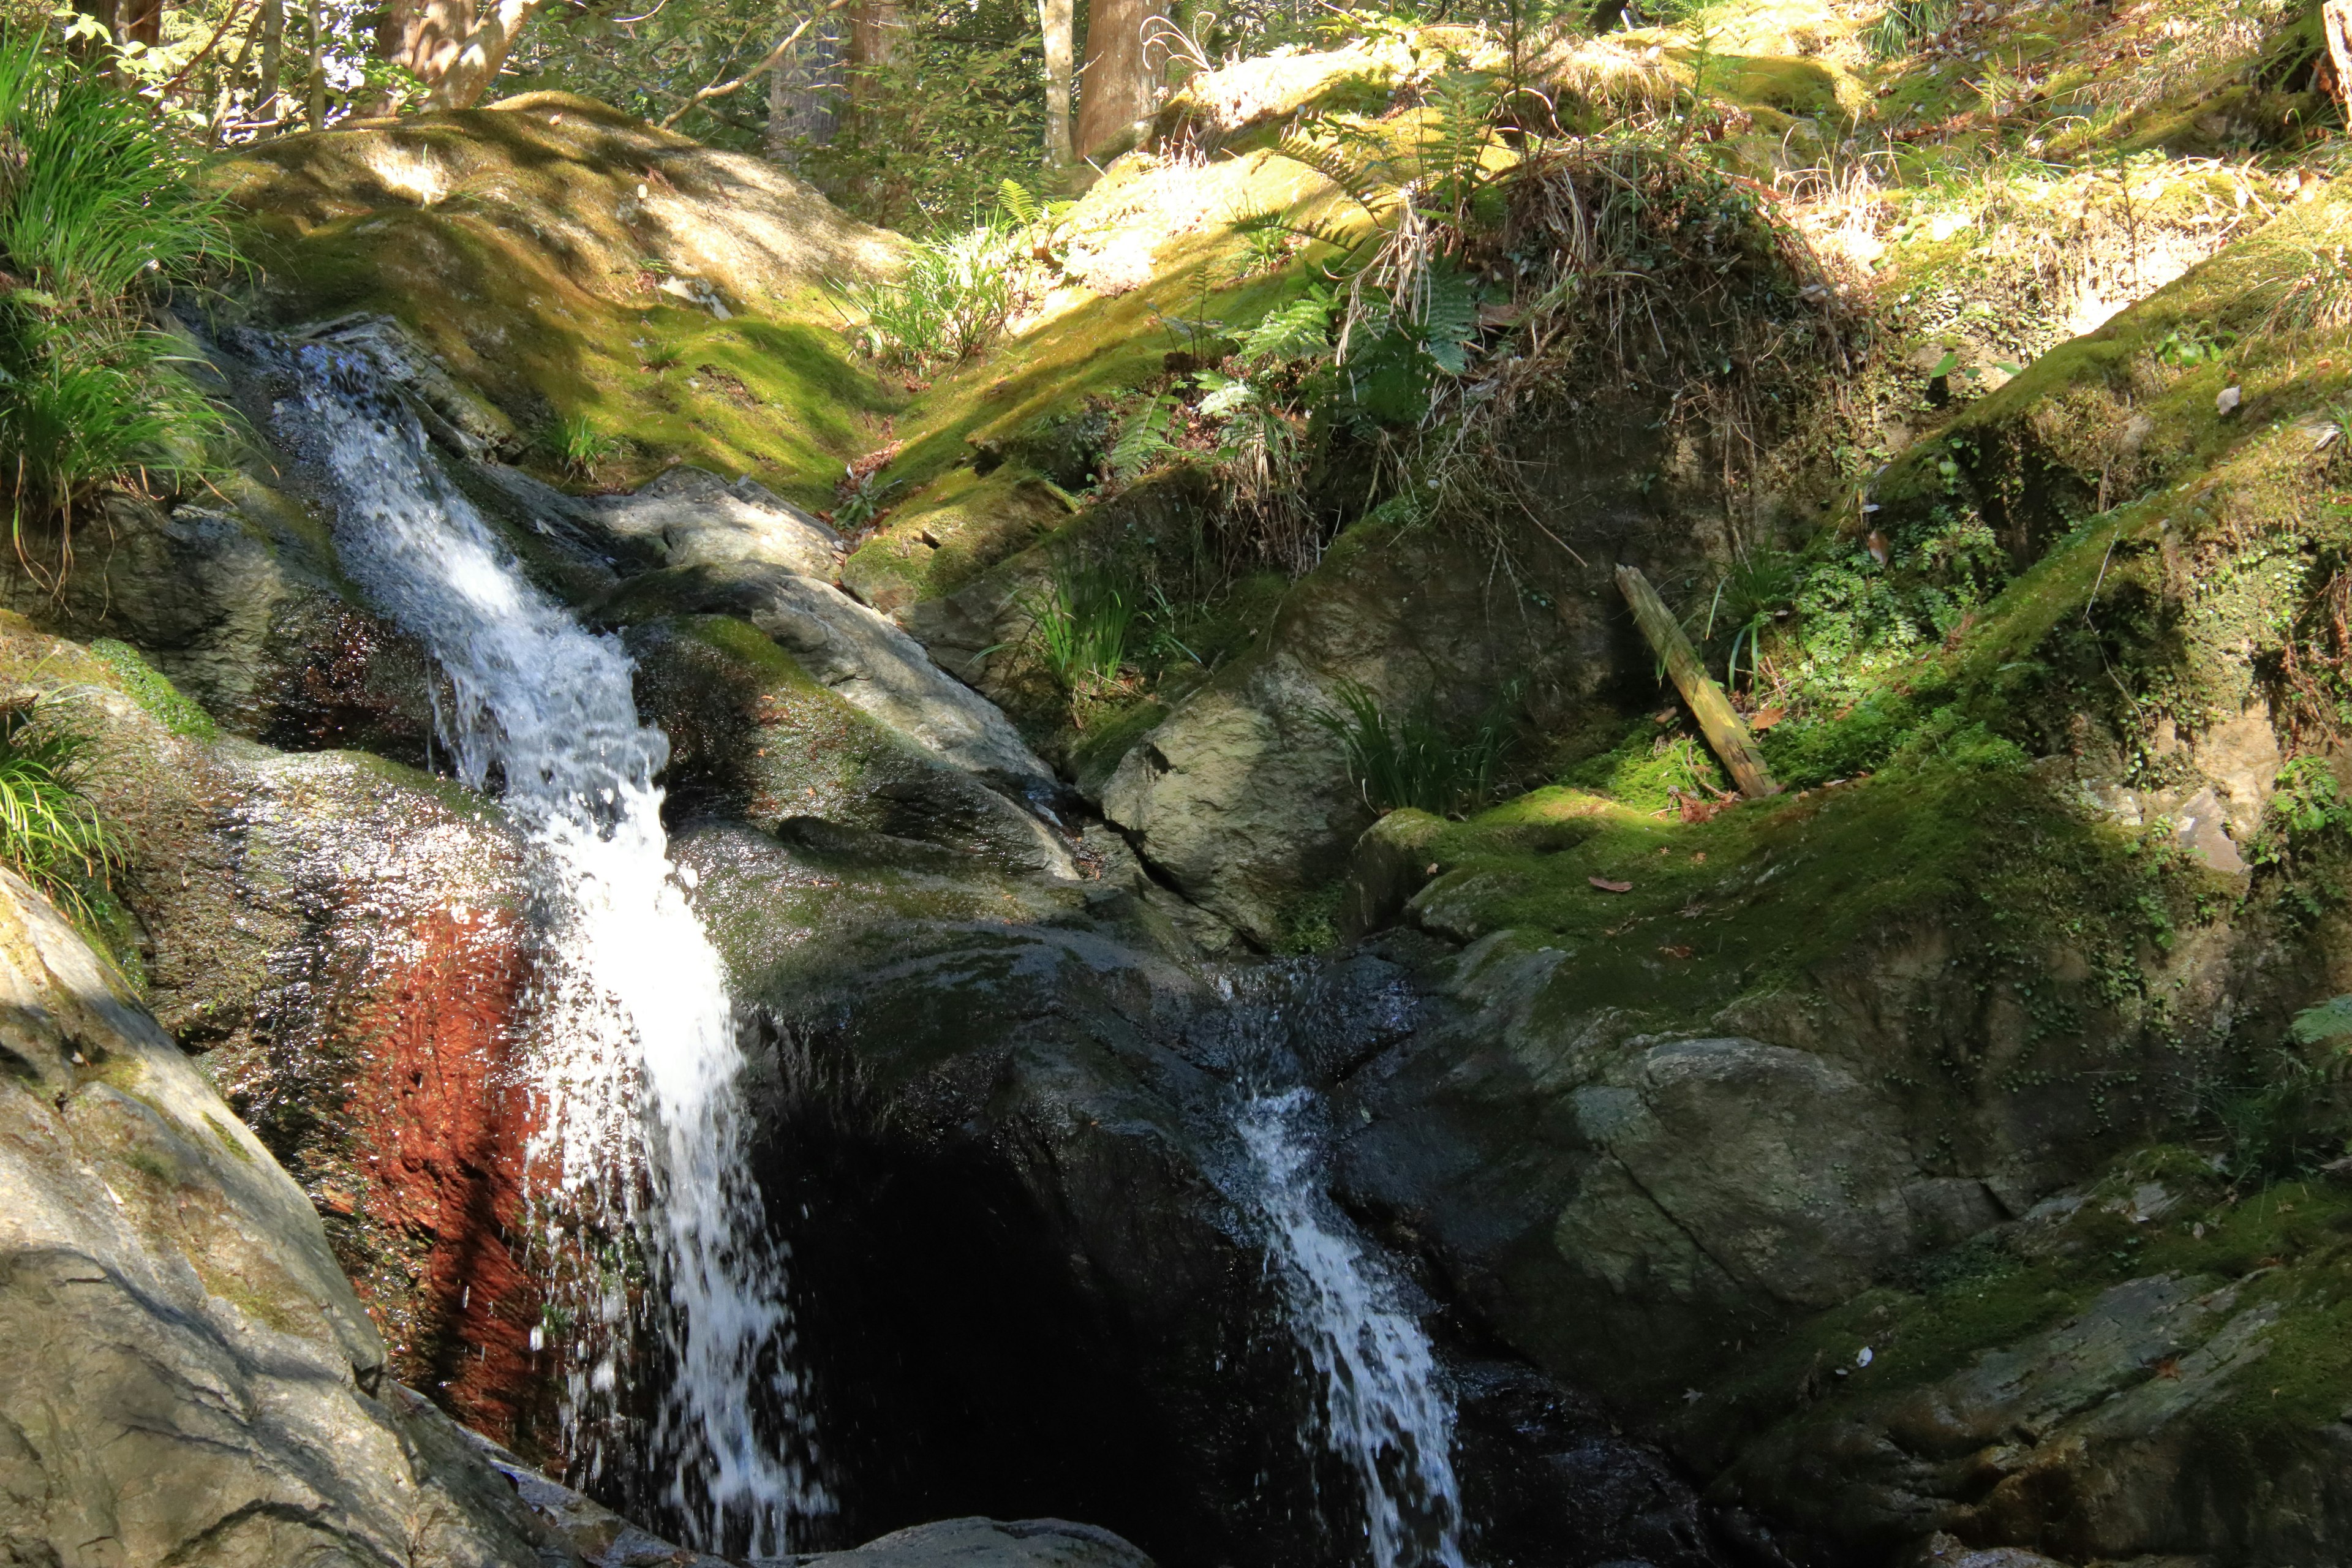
(1721, 722)
(775, 58)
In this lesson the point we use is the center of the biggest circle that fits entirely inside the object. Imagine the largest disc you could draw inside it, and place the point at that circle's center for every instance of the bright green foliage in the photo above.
(1411, 758)
(153, 690)
(580, 445)
(98, 208)
(49, 829)
(950, 302)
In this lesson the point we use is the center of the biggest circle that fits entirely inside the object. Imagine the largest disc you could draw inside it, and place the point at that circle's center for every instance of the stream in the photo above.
(682, 1377)
(652, 1230)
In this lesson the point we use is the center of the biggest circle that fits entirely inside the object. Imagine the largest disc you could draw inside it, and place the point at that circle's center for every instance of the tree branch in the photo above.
(775, 58)
(234, 11)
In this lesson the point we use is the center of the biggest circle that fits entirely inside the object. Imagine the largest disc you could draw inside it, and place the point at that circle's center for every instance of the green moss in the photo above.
(153, 690)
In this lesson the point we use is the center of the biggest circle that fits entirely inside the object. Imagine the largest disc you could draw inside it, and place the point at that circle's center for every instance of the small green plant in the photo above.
(861, 498)
(949, 303)
(1082, 619)
(1412, 760)
(580, 445)
(50, 831)
(1904, 25)
(2307, 801)
(2285, 1125)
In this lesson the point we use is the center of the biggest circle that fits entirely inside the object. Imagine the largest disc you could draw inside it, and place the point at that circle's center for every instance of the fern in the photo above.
(1018, 204)
(1300, 329)
(1449, 319)
(1143, 440)
(1357, 176)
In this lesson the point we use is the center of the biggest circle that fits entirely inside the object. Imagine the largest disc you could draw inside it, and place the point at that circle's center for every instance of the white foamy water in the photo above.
(639, 1140)
(1385, 1410)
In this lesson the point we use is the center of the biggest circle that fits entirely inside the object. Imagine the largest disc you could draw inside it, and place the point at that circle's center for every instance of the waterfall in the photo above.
(638, 1147)
(1385, 1411)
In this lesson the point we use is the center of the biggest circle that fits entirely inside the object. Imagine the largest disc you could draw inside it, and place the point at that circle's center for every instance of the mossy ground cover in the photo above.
(520, 245)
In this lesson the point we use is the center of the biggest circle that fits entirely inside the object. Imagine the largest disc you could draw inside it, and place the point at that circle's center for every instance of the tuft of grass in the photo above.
(1412, 759)
(99, 210)
(1906, 24)
(49, 830)
(1081, 620)
(950, 301)
(580, 446)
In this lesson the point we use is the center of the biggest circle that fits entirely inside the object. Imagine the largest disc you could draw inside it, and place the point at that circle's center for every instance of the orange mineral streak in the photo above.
(447, 1119)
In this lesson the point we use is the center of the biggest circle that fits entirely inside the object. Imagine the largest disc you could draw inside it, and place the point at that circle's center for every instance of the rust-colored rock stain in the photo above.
(440, 1127)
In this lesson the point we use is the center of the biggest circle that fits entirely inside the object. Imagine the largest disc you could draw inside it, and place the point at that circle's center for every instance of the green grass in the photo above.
(1081, 621)
(98, 211)
(951, 301)
(1412, 759)
(49, 830)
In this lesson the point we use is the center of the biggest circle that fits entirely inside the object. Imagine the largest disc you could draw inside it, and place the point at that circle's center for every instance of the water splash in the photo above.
(638, 1140)
(1385, 1411)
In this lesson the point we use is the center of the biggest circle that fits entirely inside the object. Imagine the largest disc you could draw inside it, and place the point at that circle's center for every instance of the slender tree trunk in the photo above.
(141, 22)
(482, 56)
(1115, 89)
(874, 27)
(1056, 21)
(799, 107)
(273, 61)
(317, 117)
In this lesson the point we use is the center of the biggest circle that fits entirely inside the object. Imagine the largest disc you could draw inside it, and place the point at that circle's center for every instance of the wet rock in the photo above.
(985, 1543)
(189, 1375)
(457, 416)
(245, 608)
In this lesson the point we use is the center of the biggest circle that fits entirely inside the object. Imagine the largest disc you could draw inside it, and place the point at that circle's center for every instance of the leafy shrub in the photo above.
(98, 208)
(1412, 760)
(50, 831)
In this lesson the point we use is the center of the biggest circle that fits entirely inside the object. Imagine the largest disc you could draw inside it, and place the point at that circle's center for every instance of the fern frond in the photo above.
(1355, 176)
(1019, 205)
(1144, 439)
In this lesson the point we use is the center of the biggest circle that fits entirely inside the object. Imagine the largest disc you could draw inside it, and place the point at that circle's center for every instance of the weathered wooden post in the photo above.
(1721, 723)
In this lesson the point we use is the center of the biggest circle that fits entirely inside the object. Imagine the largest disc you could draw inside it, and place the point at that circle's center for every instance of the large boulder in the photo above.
(190, 1377)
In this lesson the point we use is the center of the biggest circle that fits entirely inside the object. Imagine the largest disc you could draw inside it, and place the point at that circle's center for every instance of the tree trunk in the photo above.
(481, 55)
(273, 62)
(1056, 21)
(316, 106)
(1114, 90)
(142, 22)
(1725, 730)
(424, 36)
(799, 109)
(874, 27)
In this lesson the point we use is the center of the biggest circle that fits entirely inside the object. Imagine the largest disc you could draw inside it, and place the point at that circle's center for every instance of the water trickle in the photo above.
(638, 1127)
(1385, 1411)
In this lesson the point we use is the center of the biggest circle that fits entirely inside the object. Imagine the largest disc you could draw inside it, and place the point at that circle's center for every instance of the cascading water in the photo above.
(1385, 1411)
(638, 1147)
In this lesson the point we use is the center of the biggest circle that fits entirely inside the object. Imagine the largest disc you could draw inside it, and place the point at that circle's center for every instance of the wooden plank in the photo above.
(1725, 730)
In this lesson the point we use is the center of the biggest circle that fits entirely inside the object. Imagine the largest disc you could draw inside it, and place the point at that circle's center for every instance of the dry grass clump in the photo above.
(1612, 81)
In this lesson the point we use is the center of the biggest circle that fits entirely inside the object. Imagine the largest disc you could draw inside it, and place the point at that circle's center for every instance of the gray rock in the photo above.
(188, 1374)
(985, 1543)
(697, 518)
(858, 653)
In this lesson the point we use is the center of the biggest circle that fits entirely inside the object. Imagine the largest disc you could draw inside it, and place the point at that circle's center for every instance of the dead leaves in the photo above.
(1606, 886)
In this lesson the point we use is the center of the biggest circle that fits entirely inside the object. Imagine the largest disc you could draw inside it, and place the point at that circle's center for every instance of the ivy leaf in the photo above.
(1945, 366)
